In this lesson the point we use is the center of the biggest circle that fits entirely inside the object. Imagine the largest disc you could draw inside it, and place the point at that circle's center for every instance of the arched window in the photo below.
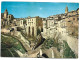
(9, 16)
(29, 30)
(32, 31)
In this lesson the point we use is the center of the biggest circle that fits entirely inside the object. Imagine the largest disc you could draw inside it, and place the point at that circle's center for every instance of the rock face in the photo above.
(24, 41)
(72, 42)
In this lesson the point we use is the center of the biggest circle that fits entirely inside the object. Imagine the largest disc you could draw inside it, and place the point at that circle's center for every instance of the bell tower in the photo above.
(5, 14)
(66, 10)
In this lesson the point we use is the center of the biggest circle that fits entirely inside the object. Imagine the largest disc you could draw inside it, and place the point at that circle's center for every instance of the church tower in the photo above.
(5, 14)
(66, 10)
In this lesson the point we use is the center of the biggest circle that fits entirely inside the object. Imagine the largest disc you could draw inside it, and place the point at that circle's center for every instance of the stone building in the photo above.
(34, 26)
(72, 22)
(66, 10)
(48, 27)
(6, 14)
(11, 17)
(6, 19)
(63, 24)
(19, 23)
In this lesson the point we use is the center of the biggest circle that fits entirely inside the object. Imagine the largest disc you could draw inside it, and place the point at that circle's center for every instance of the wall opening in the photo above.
(32, 31)
(29, 31)
(44, 55)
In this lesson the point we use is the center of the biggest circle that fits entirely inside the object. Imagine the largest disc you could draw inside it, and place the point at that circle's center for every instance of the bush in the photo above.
(38, 31)
(48, 44)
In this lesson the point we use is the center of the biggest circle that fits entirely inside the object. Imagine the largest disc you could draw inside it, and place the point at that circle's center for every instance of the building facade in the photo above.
(63, 24)
(19, 23)
(6, 19)
(33, 25)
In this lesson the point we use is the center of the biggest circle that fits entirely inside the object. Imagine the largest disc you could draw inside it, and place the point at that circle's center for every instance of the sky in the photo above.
(42, 9)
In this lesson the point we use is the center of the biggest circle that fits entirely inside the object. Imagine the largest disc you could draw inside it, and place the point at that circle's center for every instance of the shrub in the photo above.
(48, 44)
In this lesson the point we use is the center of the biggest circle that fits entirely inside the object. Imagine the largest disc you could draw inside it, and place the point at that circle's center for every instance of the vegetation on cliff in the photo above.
(9, 45)
(68, 53)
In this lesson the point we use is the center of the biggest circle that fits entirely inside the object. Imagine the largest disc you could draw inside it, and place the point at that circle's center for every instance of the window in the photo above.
(77, 18)
(9, 16)
(73, 18)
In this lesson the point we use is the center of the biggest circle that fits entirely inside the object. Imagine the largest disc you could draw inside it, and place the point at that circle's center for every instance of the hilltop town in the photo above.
(53, 37)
